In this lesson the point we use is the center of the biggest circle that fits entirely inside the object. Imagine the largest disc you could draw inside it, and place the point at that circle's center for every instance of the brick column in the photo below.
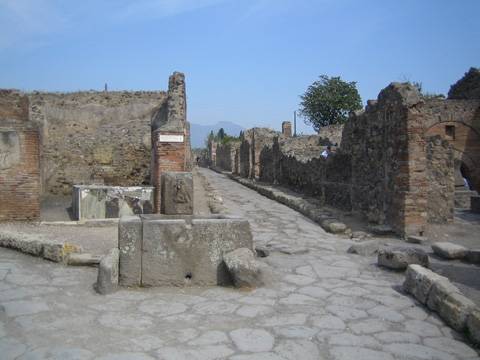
(168, 155)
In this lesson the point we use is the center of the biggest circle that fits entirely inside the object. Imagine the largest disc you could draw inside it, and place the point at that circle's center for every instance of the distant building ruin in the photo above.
(401, 161)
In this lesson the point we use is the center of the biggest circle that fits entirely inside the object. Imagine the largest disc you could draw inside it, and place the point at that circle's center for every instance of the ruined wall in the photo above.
(468, 87)
(19, 160)
(225, 155)
(458, 122)
(441, 181)
(94, 137)
(331, 135)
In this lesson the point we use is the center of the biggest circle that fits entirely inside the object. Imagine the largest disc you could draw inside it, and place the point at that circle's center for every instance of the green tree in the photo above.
(221, 134)
(328, 101)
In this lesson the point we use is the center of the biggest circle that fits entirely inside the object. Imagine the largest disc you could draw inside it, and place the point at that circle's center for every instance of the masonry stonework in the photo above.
(19, 160)
(397, 160)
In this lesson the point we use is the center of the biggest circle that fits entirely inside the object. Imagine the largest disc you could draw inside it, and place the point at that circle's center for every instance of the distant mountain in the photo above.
(198, 133)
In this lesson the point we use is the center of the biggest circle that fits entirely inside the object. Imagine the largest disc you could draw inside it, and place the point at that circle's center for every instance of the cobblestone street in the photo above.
(318, 304)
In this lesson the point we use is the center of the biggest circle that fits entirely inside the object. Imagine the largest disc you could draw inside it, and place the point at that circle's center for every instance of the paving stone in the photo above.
(389, 337)
(297, 349)
(298, 299)
(385, 313)
(208, 352)
(314, 291)
(357, 353)
(210, 338)
(299, 279)
(252, 340)
(417, 351)
(368, 326)
(398, 258)
(296, 332)
(253, 311)
(25, 307)
(258, 356)
(58, 353)
(449, 250)
(422, 328)
(346, 313)
(124, 321)
(354, 340)
(473, 326)
(11, 348)
(328, 322)
(450, 346)
(161, 308)
(215, 307)
(126, 356)
(285, 319)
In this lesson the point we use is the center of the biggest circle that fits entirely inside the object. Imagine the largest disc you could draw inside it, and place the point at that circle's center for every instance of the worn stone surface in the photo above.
(365, 248)
(107, 279)
(419, 281)
(188, 250)
(84, 259)
(244, 269)
(345, 300)
(473, 326)
(448, 250)
(130, 232)
(104, 202)
(398, 258)
(177, 193)
(412, 239)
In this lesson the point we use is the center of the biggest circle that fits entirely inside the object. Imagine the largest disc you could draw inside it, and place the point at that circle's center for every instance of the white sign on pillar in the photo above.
(170, 138)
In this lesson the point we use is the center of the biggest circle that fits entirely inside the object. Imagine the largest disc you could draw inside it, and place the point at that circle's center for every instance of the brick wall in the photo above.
(19, 160)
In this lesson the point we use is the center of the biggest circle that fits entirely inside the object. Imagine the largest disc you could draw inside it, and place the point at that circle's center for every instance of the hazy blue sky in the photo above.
(246, 61)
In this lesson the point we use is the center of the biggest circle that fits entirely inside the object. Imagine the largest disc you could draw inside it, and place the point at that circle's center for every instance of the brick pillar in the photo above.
(168, 155)
(287, 129)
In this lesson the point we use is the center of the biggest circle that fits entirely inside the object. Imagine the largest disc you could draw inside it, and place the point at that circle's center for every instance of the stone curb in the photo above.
(327, 222)
(37, 246)
(438, 294)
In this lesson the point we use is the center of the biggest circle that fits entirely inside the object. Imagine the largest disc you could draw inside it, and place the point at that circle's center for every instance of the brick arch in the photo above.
(465, 141)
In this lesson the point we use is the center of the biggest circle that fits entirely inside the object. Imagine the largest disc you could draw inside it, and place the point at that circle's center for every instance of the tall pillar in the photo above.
(170, 132)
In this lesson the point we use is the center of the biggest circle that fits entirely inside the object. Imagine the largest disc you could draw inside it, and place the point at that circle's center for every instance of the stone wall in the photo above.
(441, 181)
(94, 137)
(331, 135)
(468, 87)
(395, 164)
(19, 159)
(225, 155)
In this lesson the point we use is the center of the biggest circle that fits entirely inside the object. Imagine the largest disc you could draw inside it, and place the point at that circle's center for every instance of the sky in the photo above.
(245, 61)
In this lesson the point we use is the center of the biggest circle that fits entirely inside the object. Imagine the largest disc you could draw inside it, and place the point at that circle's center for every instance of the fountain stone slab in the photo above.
(179, 250)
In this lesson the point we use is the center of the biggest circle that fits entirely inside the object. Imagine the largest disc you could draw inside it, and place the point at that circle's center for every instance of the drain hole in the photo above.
(188, 276)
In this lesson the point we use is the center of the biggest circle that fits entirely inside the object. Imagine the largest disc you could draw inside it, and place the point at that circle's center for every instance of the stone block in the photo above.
(58, 252)
(419, 281)
(83, 259)
(189, 250)
(413, 239)
(107, 279)
(130, 230)
(475, 204)
(177, 193)
(244, 269)
(449, 250)
(398, 258)
(473, 326)
(473, 256)
(365, 248)
(334, 227)
(454, 309)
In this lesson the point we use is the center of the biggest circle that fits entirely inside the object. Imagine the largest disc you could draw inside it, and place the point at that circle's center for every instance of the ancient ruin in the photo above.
(400, 162)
